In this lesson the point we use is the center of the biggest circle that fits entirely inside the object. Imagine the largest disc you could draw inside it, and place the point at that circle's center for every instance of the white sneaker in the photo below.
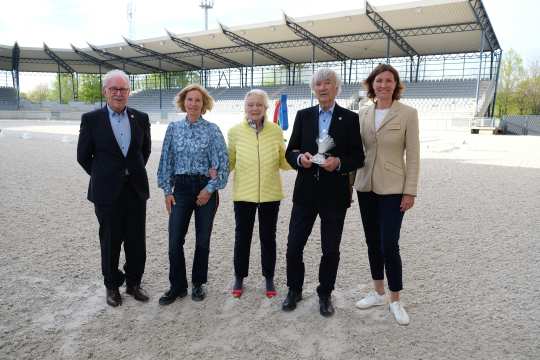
(399, 313)
(372, 299)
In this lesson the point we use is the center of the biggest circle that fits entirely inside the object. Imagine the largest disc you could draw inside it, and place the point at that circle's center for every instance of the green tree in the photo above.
(38, 94)
(512, 73)
(533, 87)
(520, 97)
(66, 89)
(175, 80)
(89, 88)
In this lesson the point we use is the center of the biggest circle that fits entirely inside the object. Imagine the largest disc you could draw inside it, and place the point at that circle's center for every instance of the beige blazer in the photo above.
(392, 153)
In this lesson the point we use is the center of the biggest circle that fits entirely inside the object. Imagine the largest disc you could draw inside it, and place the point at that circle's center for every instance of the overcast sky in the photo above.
(60, 23)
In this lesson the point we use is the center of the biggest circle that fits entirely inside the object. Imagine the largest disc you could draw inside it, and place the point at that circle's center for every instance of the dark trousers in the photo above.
(186, 189)
(302, 220)
(382, 219)
(244, 213)
(122, 222)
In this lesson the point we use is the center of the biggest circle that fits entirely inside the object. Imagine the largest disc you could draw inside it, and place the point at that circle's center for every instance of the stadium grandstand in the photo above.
(447, 53)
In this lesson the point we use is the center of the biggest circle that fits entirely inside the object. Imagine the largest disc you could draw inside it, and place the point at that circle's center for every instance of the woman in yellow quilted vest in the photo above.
(256, 154)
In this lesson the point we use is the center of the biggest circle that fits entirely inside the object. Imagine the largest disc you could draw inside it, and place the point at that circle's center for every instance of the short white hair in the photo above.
(325, 74)
(112, 74)
(261, 93)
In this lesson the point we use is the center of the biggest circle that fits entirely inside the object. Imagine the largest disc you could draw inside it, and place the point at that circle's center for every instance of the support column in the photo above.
(312, 70)
(388, 49)
(479, 73)
(496, 81)
(100, 87)
(59, 86)
(417, 68)
(160, 94)
(252, 66)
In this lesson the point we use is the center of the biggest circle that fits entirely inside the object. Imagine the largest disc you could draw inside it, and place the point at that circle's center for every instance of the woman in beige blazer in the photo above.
(387, 184)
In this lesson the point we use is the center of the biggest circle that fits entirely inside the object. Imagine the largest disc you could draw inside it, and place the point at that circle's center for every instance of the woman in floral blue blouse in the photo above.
(192, 146)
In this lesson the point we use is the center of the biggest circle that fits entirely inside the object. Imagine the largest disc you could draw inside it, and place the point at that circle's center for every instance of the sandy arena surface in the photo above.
(470, 250)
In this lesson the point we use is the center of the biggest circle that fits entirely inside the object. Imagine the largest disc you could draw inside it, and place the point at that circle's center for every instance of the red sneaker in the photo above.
(237, 292)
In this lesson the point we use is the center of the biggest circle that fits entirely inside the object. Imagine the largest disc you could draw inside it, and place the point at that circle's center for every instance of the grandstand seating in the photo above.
(449, 101)
(440, 103)
(445, 103)
(8, 98)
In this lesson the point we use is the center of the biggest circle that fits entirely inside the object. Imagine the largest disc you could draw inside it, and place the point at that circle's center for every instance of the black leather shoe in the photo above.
(198, 293)
(170, 296)
(138, 293)
(289, 304)
(325, 306)
(113, 297)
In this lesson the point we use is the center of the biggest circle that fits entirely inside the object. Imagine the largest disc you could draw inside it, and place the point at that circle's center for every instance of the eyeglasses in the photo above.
(115, 90)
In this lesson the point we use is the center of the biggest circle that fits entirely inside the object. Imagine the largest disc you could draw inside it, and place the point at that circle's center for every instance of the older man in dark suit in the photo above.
(322, 187)
(113, 148)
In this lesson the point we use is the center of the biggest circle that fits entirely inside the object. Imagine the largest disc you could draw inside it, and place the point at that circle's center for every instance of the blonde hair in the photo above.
(208, 102)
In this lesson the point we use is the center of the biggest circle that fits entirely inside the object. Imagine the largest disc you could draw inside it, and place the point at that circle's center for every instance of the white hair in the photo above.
(112, 74)
(260, 93)
(325, 74)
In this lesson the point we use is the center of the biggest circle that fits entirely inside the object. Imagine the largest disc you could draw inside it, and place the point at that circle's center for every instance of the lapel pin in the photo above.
(339, 118)
(132, 116)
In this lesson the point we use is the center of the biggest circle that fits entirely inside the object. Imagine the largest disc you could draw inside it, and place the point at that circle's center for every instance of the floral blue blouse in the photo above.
(193, 149)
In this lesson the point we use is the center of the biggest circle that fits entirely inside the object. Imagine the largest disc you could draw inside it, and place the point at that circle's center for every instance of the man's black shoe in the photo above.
(113, 297)
(325, 306)
(138, 293)
(170, 296)
(198, 293)
(289, 304)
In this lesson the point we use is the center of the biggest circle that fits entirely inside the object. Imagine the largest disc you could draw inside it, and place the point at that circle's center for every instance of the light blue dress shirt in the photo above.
(192, 149)
(121, 128)
(325, 118)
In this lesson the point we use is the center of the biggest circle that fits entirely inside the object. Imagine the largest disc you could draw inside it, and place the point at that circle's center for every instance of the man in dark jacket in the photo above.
(114, 146)
(322, 185)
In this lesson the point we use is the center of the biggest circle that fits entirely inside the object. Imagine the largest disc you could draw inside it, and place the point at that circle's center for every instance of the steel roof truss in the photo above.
(94, 60)
(483, 19)
(201, 51)
(314, 39)
(254, 47)
(386, 28)
(57, 59)
(171, 60)
(124, 60)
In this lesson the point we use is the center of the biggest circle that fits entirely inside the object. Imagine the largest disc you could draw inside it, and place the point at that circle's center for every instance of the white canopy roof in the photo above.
(426, 27)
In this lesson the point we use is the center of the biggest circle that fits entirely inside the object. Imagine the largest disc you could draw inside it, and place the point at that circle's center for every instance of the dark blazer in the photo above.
(100, 156)
(316, 186)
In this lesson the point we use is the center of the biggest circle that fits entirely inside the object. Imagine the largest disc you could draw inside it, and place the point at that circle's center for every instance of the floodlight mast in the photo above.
(206, 5)
(130, 15)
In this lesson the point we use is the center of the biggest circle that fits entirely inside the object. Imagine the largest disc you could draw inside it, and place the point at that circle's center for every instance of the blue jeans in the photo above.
(186, 189)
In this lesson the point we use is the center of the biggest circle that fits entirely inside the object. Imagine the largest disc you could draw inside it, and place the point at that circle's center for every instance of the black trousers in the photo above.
(244, 213)
(124, 221)
(381, 218)
(302, 220)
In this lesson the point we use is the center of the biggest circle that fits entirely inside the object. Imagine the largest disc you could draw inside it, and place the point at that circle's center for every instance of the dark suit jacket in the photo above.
(100, 156)
(316, 186)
